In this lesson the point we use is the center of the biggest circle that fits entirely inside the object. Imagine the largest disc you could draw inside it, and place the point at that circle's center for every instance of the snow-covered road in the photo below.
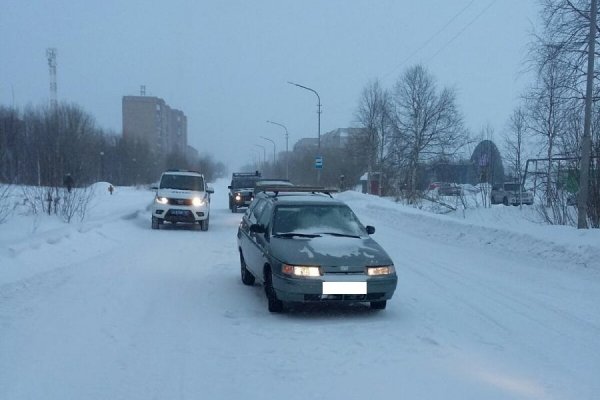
(115, 310)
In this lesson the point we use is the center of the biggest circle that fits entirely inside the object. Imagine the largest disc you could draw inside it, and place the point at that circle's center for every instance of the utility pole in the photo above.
(582, 198)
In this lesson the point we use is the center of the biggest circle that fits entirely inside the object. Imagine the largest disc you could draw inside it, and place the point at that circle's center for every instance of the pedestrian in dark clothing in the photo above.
(68, 182)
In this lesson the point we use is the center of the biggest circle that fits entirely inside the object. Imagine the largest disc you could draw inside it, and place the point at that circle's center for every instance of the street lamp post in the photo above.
(256, 153)
(319, 123)
(287, 156)
(274, 151)
(264, 153)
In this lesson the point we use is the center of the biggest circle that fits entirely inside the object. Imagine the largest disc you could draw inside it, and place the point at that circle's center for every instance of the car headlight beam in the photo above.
(382, 270)
(197, 202)
(162, 200)
(301, 270)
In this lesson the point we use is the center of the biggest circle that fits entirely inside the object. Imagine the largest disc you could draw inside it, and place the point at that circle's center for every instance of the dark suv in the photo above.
(305, 246)
(241, 189)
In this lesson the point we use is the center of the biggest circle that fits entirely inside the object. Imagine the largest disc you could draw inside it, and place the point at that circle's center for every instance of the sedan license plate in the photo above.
(344, 287)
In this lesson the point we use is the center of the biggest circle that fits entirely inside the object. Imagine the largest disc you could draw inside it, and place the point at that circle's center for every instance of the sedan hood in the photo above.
(328, 250)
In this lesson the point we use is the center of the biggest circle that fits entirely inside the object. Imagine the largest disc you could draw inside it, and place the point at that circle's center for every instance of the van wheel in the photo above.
(204, 224)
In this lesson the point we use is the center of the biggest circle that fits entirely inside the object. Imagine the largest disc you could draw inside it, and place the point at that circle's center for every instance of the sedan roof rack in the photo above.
(297, 189)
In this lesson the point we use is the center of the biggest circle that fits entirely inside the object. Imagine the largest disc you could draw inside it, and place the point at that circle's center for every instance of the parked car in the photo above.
(449, 189)
(181, 197)
(510, 193)
(305, 246)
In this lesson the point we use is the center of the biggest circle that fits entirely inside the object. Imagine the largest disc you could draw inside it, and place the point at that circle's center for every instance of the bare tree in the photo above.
(373, 115)
(559, 55)
(548, 105)
(514, 139)
(5, 204)
(427, 122)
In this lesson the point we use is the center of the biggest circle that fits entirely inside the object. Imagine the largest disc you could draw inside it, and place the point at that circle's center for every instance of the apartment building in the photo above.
(151, 119)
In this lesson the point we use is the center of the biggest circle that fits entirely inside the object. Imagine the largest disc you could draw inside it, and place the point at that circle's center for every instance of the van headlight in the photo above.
(161, 200)
(383, 270)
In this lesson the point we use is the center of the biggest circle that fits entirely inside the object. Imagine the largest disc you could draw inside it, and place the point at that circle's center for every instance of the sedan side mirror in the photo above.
(257, 228)
(370, 229)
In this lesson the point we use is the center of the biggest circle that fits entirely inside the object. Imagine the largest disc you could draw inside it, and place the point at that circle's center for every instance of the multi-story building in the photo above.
(151, 119)
(335, 139)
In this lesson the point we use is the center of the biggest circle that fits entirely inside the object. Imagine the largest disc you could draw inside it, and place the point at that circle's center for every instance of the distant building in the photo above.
(339, 138)
(151, 119)
(335, 139)
(306, 144)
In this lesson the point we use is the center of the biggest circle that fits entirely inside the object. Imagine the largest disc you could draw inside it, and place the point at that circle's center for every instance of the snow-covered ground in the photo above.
(489, 305)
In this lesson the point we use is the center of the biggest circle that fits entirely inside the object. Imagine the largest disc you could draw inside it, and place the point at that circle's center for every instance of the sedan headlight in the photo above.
(301, 270)
(162, 200)
(197, 202)
(384, 270)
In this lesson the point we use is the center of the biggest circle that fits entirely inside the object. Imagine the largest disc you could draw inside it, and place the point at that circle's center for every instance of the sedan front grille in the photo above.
(344, 297)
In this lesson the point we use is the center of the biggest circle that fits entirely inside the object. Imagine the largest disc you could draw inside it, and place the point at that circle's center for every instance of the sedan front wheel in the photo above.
(247, 277)
(275, 305)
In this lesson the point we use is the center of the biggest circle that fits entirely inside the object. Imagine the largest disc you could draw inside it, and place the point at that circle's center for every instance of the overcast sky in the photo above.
(226, 64)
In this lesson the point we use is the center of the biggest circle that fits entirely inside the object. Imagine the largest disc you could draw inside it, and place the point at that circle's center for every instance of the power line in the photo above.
(414, 53)
(462, 30)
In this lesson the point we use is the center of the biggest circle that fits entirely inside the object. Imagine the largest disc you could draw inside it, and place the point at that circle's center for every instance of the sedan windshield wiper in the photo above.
(340, 234)
(292, 234)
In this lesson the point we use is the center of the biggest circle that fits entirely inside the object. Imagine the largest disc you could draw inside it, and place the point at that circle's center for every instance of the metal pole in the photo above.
(287, 155)
(264, 153)
(586, 140)
(274, 151)
(319, 123)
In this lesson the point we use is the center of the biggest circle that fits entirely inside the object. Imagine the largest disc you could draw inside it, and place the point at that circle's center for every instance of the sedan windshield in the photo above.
(338, 220)
(182, 182)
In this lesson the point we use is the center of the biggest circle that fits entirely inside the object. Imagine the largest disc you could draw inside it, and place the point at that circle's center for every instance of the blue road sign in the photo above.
(319, 162)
